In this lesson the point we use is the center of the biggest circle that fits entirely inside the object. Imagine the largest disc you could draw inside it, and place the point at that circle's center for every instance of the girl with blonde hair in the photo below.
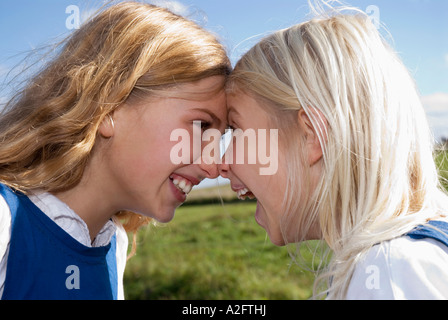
(85, 147)
(356, 166)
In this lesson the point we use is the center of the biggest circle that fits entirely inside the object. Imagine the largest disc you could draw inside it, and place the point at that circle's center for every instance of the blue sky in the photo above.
(419, 29)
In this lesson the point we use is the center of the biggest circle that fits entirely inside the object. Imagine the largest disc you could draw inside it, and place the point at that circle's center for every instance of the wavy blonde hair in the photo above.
(379, 179)
(49, 129)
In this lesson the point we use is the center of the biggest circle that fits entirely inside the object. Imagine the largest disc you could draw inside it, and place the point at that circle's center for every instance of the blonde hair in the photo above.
(379, 179)
(129, 50)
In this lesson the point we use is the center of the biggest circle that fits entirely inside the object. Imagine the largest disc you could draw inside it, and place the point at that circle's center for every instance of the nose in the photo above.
(224, 169)
(210, 170)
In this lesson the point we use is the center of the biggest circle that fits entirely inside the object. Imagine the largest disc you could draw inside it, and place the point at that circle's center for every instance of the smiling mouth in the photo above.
(244, 193)
(182, 184)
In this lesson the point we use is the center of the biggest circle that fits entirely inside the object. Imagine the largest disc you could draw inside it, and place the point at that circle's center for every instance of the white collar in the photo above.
(70, 222)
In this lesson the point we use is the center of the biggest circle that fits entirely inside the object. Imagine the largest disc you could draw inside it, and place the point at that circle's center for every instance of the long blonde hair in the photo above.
(379, 179)
(49, 129)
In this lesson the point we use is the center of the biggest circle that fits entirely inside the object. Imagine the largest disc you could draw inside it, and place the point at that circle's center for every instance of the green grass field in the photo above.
(218, 252)
(213, 252)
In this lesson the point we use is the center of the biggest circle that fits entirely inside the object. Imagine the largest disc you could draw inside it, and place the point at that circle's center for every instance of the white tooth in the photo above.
(176, 182)
(182, 184)
(188, 188)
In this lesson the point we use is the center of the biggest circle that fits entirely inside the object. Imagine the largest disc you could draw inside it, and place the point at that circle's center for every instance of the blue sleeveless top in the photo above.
(422, 232)
(46, 263)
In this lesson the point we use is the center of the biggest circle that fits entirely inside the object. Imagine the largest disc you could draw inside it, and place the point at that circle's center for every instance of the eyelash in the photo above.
(204, 124)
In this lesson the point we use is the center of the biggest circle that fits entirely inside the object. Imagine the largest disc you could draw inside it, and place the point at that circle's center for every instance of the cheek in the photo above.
(271, 192)
(143, 154)
(275, 181)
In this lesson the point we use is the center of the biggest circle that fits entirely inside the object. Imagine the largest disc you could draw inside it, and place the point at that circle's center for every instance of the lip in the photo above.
(245, 192)
(237, 187)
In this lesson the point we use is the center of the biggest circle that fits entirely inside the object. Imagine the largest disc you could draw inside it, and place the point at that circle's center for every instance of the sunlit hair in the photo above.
(129, 50)
(379, 179)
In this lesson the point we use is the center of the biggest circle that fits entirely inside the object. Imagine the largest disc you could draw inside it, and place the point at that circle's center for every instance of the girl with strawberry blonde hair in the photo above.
(86, 146)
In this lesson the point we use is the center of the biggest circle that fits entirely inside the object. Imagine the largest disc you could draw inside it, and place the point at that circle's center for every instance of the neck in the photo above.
(89, 211)
(91, 200)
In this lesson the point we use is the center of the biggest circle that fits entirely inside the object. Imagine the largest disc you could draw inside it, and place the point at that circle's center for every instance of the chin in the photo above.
(278, 243)
(277, 240)
(161, 215)
(165, 218)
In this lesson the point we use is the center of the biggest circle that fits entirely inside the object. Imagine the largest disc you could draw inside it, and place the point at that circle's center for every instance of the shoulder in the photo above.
(402, 268)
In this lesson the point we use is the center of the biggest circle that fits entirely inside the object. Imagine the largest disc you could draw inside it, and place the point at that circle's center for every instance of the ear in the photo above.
(107, 127)
(313, 145)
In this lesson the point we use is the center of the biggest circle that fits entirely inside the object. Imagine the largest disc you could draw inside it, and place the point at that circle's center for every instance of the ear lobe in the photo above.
(107, 127)
(313, 145)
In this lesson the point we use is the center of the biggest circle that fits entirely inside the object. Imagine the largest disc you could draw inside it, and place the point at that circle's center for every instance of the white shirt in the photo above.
(402, 269)
(71, 223)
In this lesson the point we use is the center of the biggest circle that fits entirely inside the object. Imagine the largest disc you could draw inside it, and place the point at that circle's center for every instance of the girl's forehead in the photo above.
(202, 90)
